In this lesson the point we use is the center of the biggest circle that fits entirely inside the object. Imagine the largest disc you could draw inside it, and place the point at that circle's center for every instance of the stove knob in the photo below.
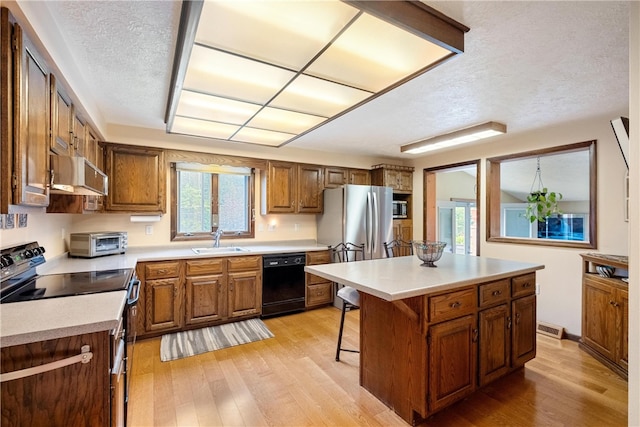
(28, 254)
(3, 263)
(41, 249)
(7, 260)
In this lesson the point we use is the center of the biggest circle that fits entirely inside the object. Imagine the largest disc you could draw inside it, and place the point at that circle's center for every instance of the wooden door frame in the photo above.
(430, 202)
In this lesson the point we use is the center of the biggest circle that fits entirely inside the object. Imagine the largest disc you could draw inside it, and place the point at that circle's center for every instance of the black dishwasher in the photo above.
(283, 283)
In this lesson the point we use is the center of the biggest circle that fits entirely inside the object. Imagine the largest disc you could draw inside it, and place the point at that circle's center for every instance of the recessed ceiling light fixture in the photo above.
(266, 72)
(462, 136)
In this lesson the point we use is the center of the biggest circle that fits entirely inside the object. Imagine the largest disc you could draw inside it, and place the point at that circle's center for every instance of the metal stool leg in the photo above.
(344, 308)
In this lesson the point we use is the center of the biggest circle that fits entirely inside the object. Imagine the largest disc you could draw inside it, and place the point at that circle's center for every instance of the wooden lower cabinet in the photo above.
(319, 291)
(605, 314)
(495, 342)
(452, 361)
(403, 229)
(438, 348)
(185, 294)
(75, 395)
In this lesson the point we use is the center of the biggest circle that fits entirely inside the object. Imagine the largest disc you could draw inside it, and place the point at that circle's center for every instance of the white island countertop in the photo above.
(394, 279)
(39, 320)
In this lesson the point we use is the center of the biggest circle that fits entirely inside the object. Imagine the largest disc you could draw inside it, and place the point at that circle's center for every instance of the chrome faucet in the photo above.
(216, 237)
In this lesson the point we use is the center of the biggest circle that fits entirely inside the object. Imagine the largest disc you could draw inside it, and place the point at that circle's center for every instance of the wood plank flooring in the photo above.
(293, 380)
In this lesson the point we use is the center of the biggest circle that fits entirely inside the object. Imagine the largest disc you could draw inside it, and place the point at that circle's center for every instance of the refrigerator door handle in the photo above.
(376, 224)
(369, 223)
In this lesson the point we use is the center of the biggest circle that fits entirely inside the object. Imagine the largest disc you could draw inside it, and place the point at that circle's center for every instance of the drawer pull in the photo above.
(455, 304)
(526, 285)
(496, 293)
(613, 303)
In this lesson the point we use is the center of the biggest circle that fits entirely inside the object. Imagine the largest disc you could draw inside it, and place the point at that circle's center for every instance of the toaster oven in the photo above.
(91, 245)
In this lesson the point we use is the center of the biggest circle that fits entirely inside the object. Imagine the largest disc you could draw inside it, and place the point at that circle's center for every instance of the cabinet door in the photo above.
(31, 133)
(309, 194)
(163, 308)
(61, 120)
(137, 179)
(92, 147)
(79, 131)
(359, 177)
(523, 338)
(494, 343)
(281, 187)
(405, 181)
(335, 177)
(452, 361)
(622, 327)
(245, 296)
(205, 298)
(403, 229)
(598, 317)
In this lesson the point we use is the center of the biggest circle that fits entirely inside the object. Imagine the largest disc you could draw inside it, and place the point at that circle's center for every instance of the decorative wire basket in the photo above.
(428, 252)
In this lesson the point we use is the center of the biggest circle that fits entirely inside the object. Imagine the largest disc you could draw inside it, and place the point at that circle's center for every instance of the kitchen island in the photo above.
(431, 336)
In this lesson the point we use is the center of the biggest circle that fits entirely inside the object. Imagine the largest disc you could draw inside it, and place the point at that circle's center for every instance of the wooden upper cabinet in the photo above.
(310, 198)
(336, 176)
(61, 120)
(93, 152)
(32, 124)
(79, 131)
(359, 177)
(280, 187)
(137, 179)
(292, 188)
(400, 178)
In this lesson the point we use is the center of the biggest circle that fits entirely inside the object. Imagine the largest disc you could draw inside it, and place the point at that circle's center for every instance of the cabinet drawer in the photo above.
(312, 279)
(160, 270)
(320, 257)
(243, 263)
(205, 266)
(452, 305)
(319, 294)
(523, 285)
(493, 293)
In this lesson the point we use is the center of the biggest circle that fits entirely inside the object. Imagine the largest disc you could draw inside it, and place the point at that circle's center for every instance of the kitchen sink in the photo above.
(223, 250)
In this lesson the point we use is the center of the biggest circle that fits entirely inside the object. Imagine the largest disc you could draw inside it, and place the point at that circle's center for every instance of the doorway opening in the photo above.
(452, 206)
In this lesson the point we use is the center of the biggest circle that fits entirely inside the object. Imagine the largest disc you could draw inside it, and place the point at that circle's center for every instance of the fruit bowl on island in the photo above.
(428, 252)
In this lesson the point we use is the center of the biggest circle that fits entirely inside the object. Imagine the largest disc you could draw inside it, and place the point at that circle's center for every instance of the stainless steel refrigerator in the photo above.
(357, 214)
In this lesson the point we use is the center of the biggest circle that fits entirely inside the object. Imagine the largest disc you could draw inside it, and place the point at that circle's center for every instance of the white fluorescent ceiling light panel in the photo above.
(266, 72)
(462, 136)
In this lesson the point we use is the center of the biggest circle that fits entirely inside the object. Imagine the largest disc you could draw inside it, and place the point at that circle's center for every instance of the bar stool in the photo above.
(346, 252)
(397, 248)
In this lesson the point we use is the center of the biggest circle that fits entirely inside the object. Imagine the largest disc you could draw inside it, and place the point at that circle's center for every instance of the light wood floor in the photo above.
(293, 380)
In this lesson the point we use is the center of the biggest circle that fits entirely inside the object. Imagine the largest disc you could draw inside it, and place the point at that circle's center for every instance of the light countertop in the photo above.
(397, 278)
(32, 321)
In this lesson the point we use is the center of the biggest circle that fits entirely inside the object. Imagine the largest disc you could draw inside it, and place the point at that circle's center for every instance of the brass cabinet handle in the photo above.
(475, 335)
(508, 322)
(526, 285)
(496, 293)
(517, 318)
(455, 304)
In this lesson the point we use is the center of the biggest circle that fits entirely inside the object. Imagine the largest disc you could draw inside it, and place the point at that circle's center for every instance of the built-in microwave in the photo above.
(90, 245)
(399, 209)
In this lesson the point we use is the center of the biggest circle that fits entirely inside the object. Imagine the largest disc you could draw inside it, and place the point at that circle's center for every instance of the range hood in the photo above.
(76, 175)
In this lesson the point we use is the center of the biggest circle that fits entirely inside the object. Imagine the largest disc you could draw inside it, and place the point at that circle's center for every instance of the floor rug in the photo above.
(189, 343)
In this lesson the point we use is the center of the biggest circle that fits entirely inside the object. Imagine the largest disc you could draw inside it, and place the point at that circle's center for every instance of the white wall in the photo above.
(561, 289)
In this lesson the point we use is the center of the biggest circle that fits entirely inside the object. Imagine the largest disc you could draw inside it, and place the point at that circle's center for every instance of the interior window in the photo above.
(544, 197)
(208, 198)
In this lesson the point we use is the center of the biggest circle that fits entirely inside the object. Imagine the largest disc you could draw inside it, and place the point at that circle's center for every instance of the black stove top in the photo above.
(19, 281)
(69, 284)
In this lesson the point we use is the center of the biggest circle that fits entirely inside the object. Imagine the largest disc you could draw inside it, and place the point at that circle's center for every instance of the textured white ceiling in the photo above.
(526, 64)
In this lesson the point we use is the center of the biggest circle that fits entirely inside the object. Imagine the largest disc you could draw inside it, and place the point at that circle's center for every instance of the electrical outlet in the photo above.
(148, 230)
(260, 227)
(537, 288)
(271, 227)
(62, 233)
(296, 227)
